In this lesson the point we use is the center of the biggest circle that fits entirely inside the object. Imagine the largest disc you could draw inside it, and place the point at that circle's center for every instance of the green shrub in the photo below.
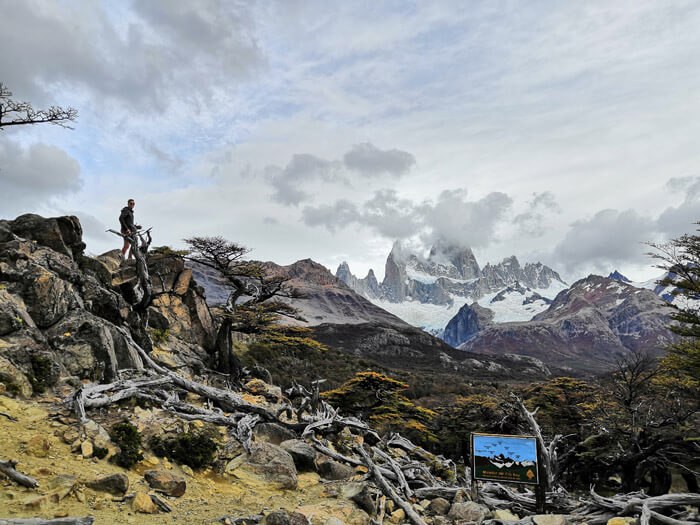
(99, 452)
(159, 337)
(126, 436)
(196, 450)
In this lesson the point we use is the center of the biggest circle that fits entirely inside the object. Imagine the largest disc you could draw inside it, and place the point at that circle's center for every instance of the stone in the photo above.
(360, 495)
(14, 380)
(333, 521)
(303, 454)
(283, 517)
(182, 283)
(117, 484)
(86, 449)
(166, 482)
(334, 470)
(438, 507)
(61, 486)
(272, 433)
(549, 519)
(469, 511)
(505, 514)
(268, 462)
(61, 234)
(39, 447)
(143, 503)
(319, 513)
(13, 313)
(397, 516)
(626, 520)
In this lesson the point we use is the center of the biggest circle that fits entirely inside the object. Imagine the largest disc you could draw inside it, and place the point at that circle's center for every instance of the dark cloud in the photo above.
(333, 217)
(302, 168)
(609, 239)
(162, 53)
(31, 176)
(452, 218)
(370, 161)
(532, 222)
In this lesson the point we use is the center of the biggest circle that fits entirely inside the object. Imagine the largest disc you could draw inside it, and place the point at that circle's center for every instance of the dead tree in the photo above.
(252, 292)
(141, 295)
(13, 113)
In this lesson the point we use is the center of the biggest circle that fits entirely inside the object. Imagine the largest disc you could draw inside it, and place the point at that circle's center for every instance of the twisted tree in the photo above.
(252, 299)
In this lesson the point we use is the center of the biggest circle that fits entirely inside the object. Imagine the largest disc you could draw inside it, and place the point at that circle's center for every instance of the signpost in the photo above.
(502, 458)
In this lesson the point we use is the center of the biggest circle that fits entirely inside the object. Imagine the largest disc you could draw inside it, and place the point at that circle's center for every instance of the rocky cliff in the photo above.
(62, 307)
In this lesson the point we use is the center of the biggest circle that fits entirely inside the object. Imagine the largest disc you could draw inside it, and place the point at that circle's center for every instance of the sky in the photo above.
(561, 132)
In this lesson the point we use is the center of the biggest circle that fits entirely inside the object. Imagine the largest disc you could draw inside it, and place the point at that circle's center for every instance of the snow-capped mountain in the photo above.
(429, 291)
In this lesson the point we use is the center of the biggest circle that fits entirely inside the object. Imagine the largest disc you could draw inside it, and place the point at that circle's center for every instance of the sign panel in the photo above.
(504, 458)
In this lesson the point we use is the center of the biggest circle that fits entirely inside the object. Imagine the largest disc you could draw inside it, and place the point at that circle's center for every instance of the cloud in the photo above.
(532, 221)
(333, 217)
(146, 57)
(31, 176)
(609, 239)
(302, 168)
(451, 218)
(677, 220)
(370, 161)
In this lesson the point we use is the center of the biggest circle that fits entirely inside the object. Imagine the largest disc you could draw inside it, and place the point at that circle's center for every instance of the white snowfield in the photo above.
(435, 317)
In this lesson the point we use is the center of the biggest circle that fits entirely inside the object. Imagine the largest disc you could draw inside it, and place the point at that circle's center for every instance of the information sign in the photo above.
(504, 458)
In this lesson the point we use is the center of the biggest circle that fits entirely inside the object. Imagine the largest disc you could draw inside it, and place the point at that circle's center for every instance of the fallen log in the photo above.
(8, 468)
(389, 491)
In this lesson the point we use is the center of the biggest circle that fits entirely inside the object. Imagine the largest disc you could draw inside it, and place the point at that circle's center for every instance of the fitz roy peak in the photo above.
(449, 274)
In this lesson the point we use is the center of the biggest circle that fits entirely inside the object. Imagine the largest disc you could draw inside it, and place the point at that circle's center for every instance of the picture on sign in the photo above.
(504, 458)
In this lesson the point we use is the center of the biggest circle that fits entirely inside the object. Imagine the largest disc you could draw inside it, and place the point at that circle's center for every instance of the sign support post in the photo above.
(541, 487)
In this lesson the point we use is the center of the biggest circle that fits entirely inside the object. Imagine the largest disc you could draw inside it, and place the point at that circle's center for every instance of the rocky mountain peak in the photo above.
(617, 276)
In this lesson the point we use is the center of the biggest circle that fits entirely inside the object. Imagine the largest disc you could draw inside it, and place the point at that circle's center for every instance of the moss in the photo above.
(13, 389)
(196, 450)
(40, 378)
(159, 337)
(126, 436)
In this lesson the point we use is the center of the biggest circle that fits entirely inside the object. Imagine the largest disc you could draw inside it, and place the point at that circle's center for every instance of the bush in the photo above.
(126, 436)
(196, 450)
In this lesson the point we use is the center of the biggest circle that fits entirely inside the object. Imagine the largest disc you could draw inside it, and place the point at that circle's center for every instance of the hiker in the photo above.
(126, 220)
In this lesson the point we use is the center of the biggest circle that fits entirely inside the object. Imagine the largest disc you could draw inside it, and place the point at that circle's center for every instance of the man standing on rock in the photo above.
(126, 220)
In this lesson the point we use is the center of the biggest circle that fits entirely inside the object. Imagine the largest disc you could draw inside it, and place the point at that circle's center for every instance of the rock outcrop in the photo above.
(61, 312)
(470, 320)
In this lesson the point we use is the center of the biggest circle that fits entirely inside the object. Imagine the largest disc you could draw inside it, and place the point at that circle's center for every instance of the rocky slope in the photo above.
(587, 328)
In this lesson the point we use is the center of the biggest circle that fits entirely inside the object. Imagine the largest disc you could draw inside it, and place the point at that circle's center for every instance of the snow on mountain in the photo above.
(428, 291)
(517, 303)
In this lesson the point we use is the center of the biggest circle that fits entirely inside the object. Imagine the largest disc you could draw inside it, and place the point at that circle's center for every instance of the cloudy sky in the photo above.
(564, 132)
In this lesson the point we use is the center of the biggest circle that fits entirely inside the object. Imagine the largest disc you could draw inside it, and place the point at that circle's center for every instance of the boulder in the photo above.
(47, 297)
(272, 433)
(345, 512)
(38, 447)
(283, 517)
(166, 482)
(549, 519)
(117, 484)
(438, 507)
(360, 495)
(143, 503)
(61, 234)
(334, 470)
(267, 462)
(468, 511)
(303, 454)
(16, 383)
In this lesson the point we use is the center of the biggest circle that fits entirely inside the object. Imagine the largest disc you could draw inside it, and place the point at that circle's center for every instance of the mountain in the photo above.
(467, 323)
(617, 276)
(428, 291)
(587, 328)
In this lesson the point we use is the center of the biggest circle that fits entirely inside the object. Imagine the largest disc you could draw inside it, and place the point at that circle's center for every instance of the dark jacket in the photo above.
(126, 219)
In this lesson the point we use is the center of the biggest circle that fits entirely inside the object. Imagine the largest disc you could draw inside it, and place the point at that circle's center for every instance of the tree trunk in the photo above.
(660, 480)
(691, 481)
(632, 477)
(228, 362)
